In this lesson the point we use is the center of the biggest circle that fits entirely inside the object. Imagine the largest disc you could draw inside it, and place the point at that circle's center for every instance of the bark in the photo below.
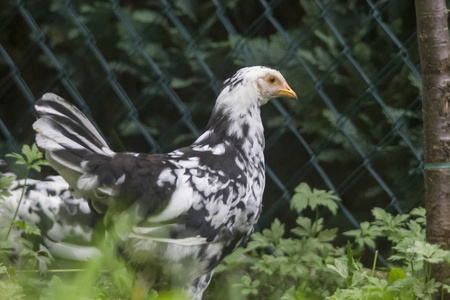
(434, 48)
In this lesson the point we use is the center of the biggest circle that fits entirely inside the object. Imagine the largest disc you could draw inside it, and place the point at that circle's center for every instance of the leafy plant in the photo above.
(294, 267)
(11, 288)
(31, 159)
(306, 264)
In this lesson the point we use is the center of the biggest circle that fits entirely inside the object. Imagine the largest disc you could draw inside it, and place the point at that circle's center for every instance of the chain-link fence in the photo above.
(148, 74)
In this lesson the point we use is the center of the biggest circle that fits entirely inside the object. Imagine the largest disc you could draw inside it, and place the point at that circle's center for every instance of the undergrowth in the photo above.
(303, 262)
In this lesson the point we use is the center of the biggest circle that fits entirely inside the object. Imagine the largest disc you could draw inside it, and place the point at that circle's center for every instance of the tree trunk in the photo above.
(434, 48)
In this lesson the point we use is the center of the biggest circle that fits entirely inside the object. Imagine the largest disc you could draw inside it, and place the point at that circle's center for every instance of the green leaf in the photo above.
(306, 197)
(327, 235)
(32, 229)
(416, 82)
(419, 214)
(5, 246)
(361, 50)
(290, 294)
(145, 16)
(347, 294)
(247, 286)
(186, 7)
(32, 157)
(329, 40)
(357, 278)
(178, 83)
(352, 265)
(5, 184)
(269, 237)
(340, 266)
(396, 274)
(264, 268)
(378, 283)
(19, 158)
(11, 291)
(3, 269)
(430, 253)
(276, 231)
(431, 287)
(305, 227)
(366, 235)
(258, 240)
(389, 225)
(18, 224)
(237, 258)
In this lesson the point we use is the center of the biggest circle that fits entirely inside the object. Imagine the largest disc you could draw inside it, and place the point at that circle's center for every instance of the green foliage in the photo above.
(248, 286)
(9, 290)
(31, 157)
(366, 235)
(306, 197)
(294, 267)
(308, 264)
(5, 184)
(27, 228)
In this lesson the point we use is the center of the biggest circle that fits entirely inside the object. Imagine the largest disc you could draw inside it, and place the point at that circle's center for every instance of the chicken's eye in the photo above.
(272, 79)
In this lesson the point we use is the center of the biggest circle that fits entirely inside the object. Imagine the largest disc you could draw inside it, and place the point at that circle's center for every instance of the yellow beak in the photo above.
(286, 92)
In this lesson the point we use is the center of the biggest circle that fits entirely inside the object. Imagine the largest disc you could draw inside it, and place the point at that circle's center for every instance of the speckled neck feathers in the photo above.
(236, 117)
(243, 130)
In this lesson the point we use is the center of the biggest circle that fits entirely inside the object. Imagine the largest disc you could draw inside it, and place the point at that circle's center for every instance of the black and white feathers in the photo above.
(66, 223)
(194, 205)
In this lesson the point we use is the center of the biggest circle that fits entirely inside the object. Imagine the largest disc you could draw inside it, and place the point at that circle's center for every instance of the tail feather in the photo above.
(51, 105)
(64, 124)
(51, 136)
(67, 137)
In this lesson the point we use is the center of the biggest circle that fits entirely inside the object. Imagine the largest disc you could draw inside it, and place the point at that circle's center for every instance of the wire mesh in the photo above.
(147, 76)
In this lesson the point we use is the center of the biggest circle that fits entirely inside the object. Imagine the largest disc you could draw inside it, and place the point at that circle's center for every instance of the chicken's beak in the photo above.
(286, 91)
